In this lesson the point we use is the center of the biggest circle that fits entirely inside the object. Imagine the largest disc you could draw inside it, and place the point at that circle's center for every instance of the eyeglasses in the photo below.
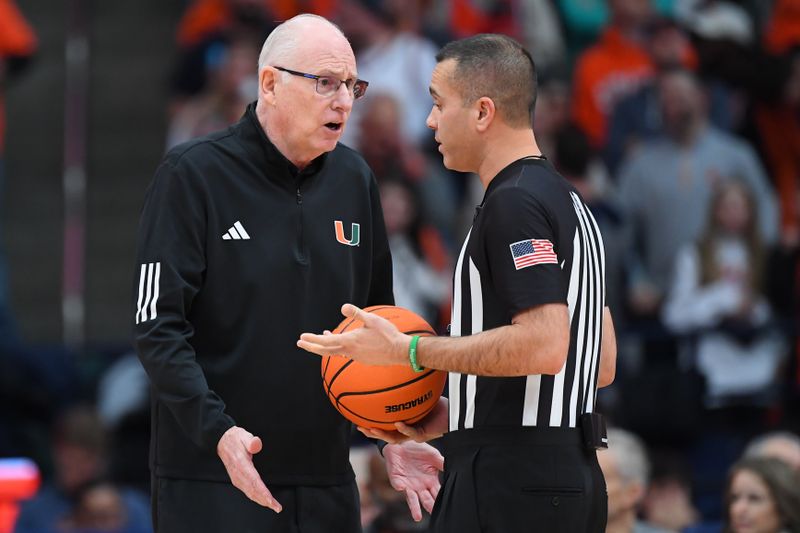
(328, 85)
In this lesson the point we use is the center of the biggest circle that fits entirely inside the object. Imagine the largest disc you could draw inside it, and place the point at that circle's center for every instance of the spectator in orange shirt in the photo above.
(206, 28)
(783, 28)
(613, 67)
(204, 18)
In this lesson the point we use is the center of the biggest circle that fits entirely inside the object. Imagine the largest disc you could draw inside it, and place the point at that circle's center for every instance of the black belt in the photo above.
(591, 434)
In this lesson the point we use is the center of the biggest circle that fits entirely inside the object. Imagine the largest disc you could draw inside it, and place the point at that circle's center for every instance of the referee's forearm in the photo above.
(536, 343)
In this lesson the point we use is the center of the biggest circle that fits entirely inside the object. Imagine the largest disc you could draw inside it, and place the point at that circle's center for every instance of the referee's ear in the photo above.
(486, 112)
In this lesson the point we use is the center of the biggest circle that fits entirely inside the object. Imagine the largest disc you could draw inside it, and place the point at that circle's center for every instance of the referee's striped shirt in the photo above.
(533, 241)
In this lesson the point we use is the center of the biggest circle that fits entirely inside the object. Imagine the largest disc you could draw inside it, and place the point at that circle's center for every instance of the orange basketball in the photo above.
(378, 396)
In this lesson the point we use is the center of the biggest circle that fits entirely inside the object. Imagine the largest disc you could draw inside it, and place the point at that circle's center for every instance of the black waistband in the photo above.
(542, 436)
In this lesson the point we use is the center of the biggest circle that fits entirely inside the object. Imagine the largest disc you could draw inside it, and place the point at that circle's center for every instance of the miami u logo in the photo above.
(355, 233)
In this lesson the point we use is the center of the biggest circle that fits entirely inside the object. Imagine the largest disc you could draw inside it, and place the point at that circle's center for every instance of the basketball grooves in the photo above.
(361, 376)
(330, 384)
(376, 391)
(419, 331)
(413, 418)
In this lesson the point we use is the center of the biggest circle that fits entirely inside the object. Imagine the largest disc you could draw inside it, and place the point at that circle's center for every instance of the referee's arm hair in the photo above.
(536, 342)
(608, 352)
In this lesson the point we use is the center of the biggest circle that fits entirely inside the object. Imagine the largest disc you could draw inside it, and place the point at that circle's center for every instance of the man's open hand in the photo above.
(236, 449)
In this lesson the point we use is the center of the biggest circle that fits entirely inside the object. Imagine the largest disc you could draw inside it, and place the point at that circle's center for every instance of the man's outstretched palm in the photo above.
(414, 468)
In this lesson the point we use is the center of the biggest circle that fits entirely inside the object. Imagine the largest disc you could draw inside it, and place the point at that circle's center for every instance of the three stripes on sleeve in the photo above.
(148, 292)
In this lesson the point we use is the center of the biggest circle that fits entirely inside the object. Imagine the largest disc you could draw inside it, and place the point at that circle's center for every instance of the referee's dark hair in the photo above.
(499, 68)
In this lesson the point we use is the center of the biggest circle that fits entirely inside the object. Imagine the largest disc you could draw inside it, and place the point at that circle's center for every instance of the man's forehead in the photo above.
(327, 62)
(441, 79)
(445, 68)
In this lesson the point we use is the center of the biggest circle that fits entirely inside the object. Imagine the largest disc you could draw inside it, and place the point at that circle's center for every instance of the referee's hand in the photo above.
(433, 426)
(236, 449)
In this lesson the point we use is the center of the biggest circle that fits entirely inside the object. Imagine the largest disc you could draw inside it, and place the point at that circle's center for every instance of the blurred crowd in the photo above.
(679, 123)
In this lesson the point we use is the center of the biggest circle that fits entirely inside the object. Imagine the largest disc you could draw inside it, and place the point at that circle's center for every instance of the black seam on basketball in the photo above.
(362, 417)
(418, 331)
(330, 384)
(380, 307)
(377, 391)
(422, 414)
(352, 320)
(325, 369)
(348, 325)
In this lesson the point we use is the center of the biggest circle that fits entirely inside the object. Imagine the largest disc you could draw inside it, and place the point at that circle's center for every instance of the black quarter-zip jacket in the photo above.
(237, 254)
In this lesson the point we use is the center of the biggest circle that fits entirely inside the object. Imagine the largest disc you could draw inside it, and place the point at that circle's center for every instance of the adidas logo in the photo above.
(236, 232)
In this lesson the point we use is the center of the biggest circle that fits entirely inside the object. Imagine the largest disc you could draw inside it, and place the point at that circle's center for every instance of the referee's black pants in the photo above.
(190, 506)
(515, 480)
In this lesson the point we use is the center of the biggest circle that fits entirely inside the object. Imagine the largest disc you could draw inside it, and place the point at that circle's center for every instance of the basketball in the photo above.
(378, 396)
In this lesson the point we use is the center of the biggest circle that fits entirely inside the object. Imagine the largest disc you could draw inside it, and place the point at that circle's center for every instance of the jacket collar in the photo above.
(268, 156)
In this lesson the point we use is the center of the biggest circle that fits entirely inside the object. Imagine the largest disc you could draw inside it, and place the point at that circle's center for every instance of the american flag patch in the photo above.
(533, 252)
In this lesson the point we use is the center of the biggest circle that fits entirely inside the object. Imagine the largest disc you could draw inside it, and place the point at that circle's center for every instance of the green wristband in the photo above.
(412, 354)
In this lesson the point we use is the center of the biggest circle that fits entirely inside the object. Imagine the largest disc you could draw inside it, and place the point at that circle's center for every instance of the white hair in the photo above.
(282, 42)
(630, 456)
(759, 444)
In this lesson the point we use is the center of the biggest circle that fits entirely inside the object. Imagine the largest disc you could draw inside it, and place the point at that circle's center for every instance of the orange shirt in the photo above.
(467, 18)
(780, 137)
(783, 29)
(204, 17)
(16, 40)
(612, 68)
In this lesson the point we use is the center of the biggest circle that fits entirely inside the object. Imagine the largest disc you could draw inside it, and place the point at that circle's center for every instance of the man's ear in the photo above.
(486, 112)
(633, 493)
(267, 80)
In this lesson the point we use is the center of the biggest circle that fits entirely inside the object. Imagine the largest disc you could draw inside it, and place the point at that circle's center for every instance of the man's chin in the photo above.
(328, 146)
(451, 164)
(328, 141)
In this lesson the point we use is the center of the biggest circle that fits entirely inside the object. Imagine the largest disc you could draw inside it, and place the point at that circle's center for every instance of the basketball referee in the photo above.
(531, 338)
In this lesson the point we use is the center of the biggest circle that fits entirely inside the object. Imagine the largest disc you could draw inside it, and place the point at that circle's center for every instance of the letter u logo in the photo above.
(355, 233)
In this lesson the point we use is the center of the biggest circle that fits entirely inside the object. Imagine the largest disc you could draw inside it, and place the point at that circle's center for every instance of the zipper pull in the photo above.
(299, 197)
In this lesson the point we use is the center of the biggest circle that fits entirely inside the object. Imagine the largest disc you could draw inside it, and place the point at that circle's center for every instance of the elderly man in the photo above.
(626, 469)
(247, 237)
(783, 445)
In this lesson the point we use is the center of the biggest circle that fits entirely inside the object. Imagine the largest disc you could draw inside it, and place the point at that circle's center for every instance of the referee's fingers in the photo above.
(392, 437)
(409, 431)
(320, 344)
(370, 320)
(352, 311)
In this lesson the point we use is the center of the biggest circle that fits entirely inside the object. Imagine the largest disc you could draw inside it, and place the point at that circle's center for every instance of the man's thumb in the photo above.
(254, 446)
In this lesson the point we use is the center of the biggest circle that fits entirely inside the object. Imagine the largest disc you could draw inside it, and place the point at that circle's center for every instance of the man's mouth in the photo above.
(334, 126)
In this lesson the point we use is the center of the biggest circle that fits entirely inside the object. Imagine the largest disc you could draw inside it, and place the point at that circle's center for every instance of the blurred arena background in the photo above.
(649, 108)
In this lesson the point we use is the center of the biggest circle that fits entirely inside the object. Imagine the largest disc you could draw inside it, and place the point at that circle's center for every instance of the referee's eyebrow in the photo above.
(433, 92)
